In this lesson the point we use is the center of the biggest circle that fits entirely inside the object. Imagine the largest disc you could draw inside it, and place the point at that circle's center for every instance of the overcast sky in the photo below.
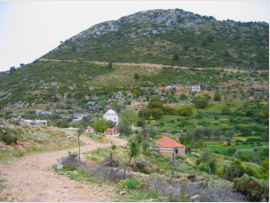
(30, 29)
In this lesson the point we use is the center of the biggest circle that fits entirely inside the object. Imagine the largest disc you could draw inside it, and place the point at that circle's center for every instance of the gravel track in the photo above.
(31, 178)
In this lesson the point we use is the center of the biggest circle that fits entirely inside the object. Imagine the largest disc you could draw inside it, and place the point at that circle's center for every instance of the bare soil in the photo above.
(31, 178)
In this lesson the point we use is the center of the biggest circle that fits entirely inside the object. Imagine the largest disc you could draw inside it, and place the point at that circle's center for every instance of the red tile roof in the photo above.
(89, 128)
(168, 142)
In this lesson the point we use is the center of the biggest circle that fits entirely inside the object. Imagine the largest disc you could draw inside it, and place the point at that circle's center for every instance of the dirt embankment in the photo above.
(31, 179)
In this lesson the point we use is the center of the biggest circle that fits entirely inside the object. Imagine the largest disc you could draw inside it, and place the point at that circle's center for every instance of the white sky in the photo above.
(30, 29)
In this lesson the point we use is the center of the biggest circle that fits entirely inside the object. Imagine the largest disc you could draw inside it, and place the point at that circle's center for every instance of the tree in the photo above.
(130, 116)
(198, 133)
(80, 131)
(217, 97)
(193, 93)
(147, 113)
(201, 103)
(111, 125)
(217, 133)
(101, 125)
(124, 128)
(186, 110)
(155, 105)
(230, 134)
(47, 108)
(136, 94)
(136, 76)
(207, 132)
(140, 122)
(157, 114)
(183, 96)
(209, 159)
(175, 57)
(145, 146)
(152, 132)
(110, 65)
(134, 151)
(226, 111)
(168, 110)
(12, 69)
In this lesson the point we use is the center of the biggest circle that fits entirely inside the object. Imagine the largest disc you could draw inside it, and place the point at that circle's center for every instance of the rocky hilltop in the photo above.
(171, 37)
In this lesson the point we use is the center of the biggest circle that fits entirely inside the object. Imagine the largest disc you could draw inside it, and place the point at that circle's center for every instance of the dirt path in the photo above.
(31, 179)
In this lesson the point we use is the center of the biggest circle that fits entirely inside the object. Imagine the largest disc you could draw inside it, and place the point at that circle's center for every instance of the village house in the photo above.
(89, 129)
(170, 87)
(80, 116)
(167, 145)
(196, 88)
(111, 115)
(110, 131)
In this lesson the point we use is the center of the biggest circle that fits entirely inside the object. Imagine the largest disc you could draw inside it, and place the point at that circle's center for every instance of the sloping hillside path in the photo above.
(31, 178)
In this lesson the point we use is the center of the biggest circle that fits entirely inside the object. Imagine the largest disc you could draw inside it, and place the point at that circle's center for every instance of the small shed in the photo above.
(168, 145)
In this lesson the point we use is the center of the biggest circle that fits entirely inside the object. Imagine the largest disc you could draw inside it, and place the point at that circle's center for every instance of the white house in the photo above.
(196, 88)
(170, 87)
(89, 129)
(111, 115)
(80, 116)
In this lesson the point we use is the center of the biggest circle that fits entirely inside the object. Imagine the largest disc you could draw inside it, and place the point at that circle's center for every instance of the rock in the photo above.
(196, 154)
(122, 192)
(59, 165)
(195, 197)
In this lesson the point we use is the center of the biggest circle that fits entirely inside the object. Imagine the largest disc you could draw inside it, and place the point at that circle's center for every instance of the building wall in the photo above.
(163, 150)
(113, 118)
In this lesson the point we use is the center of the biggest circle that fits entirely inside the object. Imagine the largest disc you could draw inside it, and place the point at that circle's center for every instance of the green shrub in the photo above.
(256, 189)
(131, 183)
(179, 157)
(8, 135)
(160, 159)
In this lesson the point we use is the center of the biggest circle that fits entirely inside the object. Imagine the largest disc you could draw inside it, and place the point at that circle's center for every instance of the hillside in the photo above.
(159, 36)
(169, 46)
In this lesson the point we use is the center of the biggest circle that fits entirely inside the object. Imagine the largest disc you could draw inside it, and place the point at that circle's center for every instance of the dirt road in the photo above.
(31, 179)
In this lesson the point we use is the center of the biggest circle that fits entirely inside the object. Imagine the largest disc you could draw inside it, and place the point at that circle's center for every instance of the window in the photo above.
(115, 119)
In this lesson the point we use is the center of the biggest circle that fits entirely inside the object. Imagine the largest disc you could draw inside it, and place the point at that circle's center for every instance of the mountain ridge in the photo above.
(159, 36)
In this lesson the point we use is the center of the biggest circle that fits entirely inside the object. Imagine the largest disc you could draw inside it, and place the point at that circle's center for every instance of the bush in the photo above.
(160, 159)
(254, 188)
(179, 157)
(8, 135)
(131, 183)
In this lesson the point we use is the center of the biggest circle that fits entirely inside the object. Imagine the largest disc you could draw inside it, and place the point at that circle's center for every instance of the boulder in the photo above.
(122, 192)
(195, 198)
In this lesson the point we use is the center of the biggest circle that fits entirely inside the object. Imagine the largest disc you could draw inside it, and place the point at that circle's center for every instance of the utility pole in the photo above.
(173, 158)
(83, 118)
(97, 117)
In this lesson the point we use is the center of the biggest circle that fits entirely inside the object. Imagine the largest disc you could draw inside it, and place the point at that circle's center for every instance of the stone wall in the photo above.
(163, 150)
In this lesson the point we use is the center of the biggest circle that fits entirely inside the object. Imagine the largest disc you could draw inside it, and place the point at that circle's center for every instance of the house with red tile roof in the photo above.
(111, 130)
(89, 129)
(168, 145)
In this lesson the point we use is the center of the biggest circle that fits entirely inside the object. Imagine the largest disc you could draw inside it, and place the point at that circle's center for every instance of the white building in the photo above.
(196, 88)
(80, 116)
(111, 115)
(89, 129)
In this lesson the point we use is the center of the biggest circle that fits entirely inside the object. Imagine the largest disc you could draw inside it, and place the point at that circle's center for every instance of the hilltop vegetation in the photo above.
(171, 37)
